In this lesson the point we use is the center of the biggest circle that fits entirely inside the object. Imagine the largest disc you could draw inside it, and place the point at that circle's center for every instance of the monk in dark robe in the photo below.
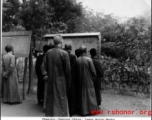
(99, 72)
(10, 90)
(86, 78)
(40, 84)
(73, 91)
(58, 74)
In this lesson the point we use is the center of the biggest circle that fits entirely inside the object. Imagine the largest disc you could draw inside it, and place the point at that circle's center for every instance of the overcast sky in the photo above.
(148, 2)
(121, 8)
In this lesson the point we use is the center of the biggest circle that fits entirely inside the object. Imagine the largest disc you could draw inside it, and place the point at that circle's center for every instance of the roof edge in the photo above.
(16, 33)
(74, 34)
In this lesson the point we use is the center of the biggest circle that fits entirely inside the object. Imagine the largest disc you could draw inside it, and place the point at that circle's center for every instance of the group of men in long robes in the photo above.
(72, 83)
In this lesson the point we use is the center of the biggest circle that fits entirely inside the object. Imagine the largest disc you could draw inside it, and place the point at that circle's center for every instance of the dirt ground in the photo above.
(110, 101)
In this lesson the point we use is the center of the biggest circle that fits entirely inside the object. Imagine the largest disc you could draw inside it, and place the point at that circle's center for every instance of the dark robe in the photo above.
(40, 84)
(58, 71)
(86, 77)
(97, 83)
(0, 88)
(10, 87)
(43, 66)
(73, 90)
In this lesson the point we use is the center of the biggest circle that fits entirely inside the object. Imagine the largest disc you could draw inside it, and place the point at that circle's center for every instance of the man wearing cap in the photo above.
(57, 72)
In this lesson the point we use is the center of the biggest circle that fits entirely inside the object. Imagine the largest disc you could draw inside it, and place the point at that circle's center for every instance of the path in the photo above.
(110, 102)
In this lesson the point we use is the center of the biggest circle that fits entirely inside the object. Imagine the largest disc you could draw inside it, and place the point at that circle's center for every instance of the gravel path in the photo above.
(110, 102)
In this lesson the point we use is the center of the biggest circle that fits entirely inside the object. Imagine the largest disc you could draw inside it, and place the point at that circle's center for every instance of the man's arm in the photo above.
(73, 62)
(3, 68)
(67, 70)
(44, 67)
(99, 68)
(92, 69)
(36, 66)
(10, 69)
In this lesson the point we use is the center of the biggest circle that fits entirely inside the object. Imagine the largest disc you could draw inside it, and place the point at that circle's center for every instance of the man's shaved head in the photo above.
(58, 39)
(51, 45)
(83, 49)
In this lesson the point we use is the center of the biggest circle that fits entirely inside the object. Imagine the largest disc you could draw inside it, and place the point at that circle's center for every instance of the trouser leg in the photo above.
(45, 93)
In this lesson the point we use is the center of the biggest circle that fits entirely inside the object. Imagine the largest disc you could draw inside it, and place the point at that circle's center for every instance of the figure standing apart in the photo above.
(10, 90)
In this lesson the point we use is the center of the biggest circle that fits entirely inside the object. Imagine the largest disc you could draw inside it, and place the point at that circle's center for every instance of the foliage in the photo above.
(132, 37)
(66, 12)
(41, 16)
(34, 15)
(128, 42)
(125, 74)
(9, 18)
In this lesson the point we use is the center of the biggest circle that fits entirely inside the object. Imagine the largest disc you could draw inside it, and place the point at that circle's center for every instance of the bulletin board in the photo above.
(90, 40)
(20, 41)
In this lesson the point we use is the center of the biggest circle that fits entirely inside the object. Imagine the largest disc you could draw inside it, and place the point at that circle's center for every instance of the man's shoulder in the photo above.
(95, 59)
(5, 55)
(72, 55)
(8, 55)
(84, 59)
(49, 50)
(40, 56)
(55, 50)
(63, 51)
(88, 58)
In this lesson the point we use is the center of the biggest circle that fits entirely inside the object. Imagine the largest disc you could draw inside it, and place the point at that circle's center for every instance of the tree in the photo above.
(45, 16)
(67, 12)
(134, 36)
(9, 19)
(34, 17)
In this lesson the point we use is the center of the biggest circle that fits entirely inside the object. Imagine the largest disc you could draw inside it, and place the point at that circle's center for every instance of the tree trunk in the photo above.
(30, 86)
(24, 78)
(24, 1)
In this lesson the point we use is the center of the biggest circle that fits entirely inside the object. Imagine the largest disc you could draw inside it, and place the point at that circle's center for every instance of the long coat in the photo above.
(73, 91)
(58, 71)
(44, 72)
(97, 83)
(10, 80)
(86, 77)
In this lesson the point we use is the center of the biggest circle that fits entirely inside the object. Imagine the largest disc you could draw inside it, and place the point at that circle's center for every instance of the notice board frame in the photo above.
(16, 34)
(81, 35)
